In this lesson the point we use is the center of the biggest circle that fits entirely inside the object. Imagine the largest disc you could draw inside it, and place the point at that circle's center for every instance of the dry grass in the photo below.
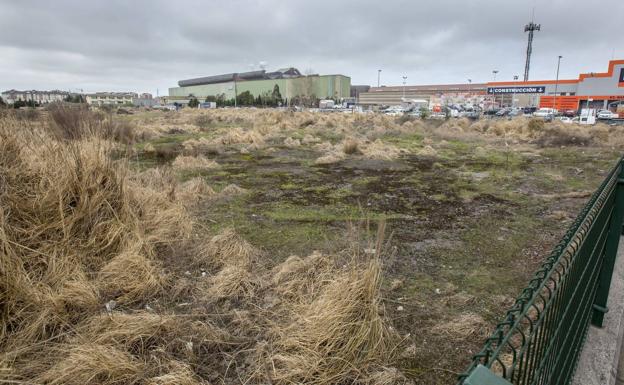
(380, 150)
(350, 146)
(232, 190)
(90, 363)
(193, 191)
(80, 230)
(232, 282)
(228, 248)
(130, 277)
(183, 162)
(290, 142)
(464, 326)
(338, 337)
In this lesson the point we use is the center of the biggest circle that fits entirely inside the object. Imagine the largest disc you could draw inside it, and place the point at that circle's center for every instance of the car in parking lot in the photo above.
(546, 113)
(515, 112)
(606, 115)
(503, 112)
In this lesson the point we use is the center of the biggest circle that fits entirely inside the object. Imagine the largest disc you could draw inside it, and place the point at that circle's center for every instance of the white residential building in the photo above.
(41, 97)
(111, 98)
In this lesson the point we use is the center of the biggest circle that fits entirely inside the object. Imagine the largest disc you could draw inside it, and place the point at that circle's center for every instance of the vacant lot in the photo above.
(257, 246)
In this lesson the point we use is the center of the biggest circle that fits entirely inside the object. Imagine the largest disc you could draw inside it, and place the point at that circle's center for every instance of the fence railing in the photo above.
(541, 336)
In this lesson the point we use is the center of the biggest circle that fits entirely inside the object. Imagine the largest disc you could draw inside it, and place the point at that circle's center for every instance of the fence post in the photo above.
(484, 376)
(610, 252)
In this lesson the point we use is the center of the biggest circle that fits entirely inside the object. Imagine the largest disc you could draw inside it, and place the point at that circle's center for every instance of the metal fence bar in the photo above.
(610, 252)
(539, 340)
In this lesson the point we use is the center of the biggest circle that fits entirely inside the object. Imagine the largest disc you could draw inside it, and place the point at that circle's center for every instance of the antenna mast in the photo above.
(530, 28)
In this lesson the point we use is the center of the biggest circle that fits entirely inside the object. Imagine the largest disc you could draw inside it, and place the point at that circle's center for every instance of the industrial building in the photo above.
(471, 93)
(601, 89)
(290, 82)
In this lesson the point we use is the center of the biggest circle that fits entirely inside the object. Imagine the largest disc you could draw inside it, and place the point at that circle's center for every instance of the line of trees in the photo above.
(31, 103)
(76, 98)
(266, 99)
(28, 103)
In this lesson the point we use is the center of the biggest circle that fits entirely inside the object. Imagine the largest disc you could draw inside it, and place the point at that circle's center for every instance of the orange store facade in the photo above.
(601, 90)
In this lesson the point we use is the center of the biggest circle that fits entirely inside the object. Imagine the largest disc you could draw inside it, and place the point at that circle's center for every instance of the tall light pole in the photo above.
(494, 72)
(378, 77)
(404, 81)
(513, 95)
(235, 97)
(557, 82)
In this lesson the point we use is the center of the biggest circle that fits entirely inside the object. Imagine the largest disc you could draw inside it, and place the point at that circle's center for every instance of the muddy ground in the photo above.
(465, 228)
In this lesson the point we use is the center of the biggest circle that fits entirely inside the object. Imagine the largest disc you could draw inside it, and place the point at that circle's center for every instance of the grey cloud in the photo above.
(144, 45)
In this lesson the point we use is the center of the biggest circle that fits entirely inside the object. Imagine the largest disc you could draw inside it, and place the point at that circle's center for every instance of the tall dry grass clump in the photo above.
(74, 234)
(75, 123)
(338, 337)
(200, 162)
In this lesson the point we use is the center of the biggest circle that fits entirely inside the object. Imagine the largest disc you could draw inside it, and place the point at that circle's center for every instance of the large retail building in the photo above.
(600, 89)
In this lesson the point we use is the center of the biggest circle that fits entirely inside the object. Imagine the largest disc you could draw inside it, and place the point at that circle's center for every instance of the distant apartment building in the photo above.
(40, 97)
(144, 100)
(120, 99)
(111, 98)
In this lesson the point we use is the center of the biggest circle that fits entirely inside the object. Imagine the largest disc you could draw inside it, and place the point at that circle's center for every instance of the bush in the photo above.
(166, 152)
(536, 125)
(558, 137)
(27, 114)
(71, 123)
(350, 146)
(203, 122)
(404, 119)
(306, 123)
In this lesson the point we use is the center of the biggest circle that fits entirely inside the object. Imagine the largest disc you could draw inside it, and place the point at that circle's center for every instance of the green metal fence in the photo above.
(541, 336)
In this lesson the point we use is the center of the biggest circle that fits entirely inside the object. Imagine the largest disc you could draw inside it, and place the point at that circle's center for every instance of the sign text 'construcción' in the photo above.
(516, 90)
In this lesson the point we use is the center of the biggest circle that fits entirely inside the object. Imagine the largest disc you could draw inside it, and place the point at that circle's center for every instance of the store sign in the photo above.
(516, 90)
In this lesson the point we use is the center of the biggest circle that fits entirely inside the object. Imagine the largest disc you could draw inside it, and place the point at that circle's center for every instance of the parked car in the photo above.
(544, 113)
(529, 110)
(568, 113)
(515, 112)
(503, 112)
(565, 120)
(469, 114)
(606, 115)
(491, 111)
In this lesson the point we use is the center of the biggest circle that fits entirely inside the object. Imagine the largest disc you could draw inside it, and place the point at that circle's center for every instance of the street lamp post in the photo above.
(235, 97)
(378, 77)
(404, 81)
(556, 83)
(494, 72)
(513, 95)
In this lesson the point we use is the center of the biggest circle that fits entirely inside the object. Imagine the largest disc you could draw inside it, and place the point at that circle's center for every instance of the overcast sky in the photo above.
(117, 45)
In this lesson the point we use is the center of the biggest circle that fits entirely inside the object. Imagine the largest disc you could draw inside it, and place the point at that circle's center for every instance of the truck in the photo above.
(587, 116)
(326, 104)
